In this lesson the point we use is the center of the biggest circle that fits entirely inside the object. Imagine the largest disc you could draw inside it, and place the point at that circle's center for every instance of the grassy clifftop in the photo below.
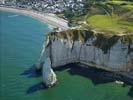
(104, 22)
(115, 16)
(103, 40)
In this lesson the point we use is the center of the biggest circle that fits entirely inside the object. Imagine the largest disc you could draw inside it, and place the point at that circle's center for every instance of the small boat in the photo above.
(13, 15)
(119, 82)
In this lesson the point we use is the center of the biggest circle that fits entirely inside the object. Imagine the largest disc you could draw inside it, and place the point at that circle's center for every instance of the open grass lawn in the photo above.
(130, 7)
(105, 22)
(124, 4)
(119, 24)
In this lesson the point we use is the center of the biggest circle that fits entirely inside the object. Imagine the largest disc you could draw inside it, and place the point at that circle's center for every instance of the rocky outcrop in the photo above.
(101, 50)
(49, 77)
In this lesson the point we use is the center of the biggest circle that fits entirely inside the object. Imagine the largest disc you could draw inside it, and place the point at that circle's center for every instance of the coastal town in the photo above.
(49, 6)
(62, 9)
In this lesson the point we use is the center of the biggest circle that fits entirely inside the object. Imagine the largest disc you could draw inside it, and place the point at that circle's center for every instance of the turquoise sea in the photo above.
(21, 38)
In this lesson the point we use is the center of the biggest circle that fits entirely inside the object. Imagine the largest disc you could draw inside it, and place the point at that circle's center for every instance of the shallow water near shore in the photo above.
(21, 38)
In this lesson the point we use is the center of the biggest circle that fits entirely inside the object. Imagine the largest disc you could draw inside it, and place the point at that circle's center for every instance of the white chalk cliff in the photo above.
(112, 53)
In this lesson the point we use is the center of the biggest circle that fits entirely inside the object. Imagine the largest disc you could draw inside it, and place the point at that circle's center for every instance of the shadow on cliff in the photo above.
(130, 93)
(36, 87)
(31, 72)
(97, 76)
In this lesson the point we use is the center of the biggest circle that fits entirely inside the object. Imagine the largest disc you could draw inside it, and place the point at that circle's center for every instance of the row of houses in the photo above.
(51, 6)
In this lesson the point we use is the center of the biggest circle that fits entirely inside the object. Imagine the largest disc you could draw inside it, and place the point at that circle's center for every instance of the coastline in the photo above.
(49, 18)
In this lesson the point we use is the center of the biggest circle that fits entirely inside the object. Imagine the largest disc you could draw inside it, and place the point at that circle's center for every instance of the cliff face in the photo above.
(109, 52)
(106, 51)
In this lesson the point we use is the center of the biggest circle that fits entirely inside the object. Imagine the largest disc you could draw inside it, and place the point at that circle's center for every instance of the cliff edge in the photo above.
(98, 49)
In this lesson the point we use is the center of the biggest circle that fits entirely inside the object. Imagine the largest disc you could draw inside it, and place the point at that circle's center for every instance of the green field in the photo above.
(114, 16)
(117, 17)
(124, 4)
(113, 23)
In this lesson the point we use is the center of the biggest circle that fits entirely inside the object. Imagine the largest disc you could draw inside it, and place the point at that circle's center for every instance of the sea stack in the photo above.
(49, 77)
